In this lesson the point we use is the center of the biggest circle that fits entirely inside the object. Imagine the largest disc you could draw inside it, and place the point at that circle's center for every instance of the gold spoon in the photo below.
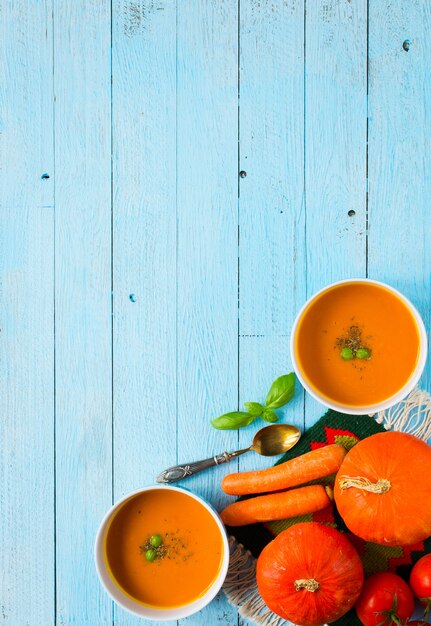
(268, 441)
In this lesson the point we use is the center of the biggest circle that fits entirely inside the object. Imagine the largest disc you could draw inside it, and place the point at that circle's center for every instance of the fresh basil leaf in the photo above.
(269, 416)
(281, 391)
(232, 421)
(254, 408)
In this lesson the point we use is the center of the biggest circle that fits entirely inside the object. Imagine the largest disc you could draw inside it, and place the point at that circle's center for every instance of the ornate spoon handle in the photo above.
(178, 472)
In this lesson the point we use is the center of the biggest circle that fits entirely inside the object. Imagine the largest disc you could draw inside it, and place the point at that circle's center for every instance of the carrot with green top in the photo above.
(298, 471)
(275, 506)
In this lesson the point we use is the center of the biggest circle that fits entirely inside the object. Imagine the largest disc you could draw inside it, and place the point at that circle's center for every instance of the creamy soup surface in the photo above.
(186, 562)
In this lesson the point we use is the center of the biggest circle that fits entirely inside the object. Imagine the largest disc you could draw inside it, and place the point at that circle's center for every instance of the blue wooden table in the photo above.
(176, 179)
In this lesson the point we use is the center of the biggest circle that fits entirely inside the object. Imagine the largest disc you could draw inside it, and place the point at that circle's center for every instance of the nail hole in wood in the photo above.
(132, 297)
(44, 176)
(406, 45)
(351, 213)
(243, 174)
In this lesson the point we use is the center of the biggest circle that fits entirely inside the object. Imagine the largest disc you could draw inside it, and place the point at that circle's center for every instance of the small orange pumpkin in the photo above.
(383, 489)
(310, 574)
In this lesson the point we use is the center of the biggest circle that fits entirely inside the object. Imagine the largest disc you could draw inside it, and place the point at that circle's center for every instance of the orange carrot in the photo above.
(275, 506)
(302, 469)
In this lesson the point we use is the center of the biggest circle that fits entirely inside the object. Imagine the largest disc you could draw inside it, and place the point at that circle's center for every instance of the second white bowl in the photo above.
(142, 610)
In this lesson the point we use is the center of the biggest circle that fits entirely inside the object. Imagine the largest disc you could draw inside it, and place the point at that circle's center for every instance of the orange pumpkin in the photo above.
(310, 574)
(383, 489)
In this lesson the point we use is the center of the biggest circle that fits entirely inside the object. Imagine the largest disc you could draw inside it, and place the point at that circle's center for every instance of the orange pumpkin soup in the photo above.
(357, 344)
(163, 548)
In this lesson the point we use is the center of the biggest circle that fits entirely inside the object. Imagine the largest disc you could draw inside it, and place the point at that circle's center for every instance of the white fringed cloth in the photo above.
(412, 415)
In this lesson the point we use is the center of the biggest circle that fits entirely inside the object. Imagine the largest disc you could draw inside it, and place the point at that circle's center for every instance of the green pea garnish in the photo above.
(346, 354)
(150, 554)
(156, 541)
(362, 353)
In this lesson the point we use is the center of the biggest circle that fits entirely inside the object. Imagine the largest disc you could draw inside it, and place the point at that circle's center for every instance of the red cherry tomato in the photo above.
(385, 596)
(420, 580)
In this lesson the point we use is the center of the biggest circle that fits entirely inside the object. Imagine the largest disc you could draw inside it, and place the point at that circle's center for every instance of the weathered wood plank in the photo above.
(27, 314)
(207, 118)
(144, 261)
(271, 205)
(335, 156)
(82, 302)
(400, 150)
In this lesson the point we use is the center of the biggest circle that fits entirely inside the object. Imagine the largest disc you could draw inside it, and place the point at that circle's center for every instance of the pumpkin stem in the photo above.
(310, 584)
(329, 493)
(381, 486)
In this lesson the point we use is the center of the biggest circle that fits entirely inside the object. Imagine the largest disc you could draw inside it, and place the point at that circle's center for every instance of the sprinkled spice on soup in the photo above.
(351, 344)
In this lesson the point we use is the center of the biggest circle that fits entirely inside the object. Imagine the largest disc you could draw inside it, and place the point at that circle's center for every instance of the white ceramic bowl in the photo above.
(142, 610)
(402, 393)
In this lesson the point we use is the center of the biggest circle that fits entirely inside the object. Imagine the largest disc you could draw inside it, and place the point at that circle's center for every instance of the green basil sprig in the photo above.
(280, 393)
(232, 421)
